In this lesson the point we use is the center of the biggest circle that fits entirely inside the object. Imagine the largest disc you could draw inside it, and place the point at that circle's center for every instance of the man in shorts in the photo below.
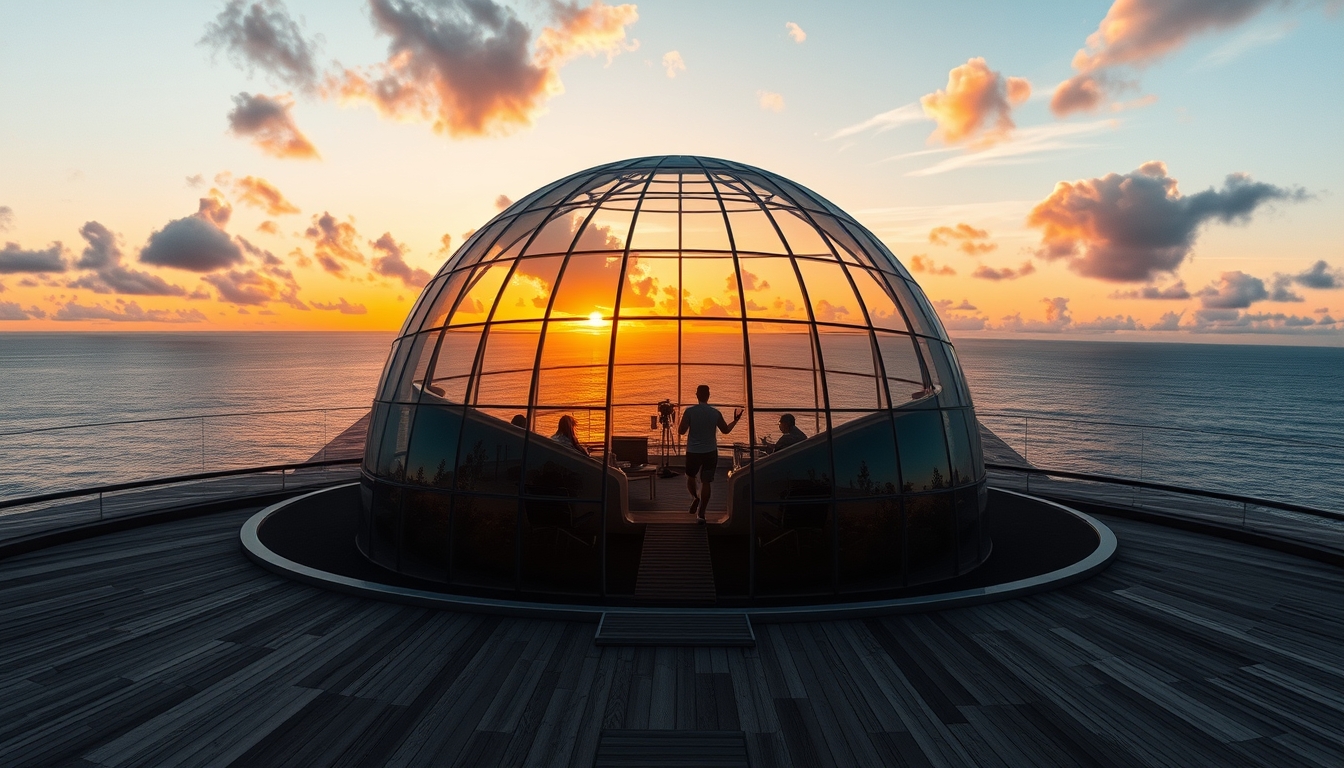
(702, 446)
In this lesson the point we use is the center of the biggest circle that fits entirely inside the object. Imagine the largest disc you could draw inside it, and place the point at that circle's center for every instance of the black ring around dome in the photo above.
(607, 293)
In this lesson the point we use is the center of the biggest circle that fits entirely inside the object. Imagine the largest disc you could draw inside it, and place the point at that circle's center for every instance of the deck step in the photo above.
(674, 566)
(675, 629)
(720, 749)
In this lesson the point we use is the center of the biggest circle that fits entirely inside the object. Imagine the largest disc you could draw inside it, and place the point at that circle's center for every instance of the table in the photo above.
(642, 471)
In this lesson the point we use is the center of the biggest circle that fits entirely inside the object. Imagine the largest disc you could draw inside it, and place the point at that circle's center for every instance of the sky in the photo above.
(1142, 169)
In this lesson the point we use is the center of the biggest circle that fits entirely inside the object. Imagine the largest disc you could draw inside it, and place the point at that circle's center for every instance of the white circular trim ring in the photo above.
(1093, 563)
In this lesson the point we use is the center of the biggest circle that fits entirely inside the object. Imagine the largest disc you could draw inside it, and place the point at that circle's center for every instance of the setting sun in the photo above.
(594, 318)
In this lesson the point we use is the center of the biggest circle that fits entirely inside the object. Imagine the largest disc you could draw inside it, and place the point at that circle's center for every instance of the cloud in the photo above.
(904, 115)
(10, 310)
(1234, 290)
(1170, 321)
(129, 312)
(1057, 318)
(194, 243)
(1109, 324)
(1016, 150)
(968, 238)
(673, 63)
(1176, 290)
(214, 210)
(1136, 33)
(796, 32)
(263, 36)
(770, 101)
(14, 259)
(464, 65)
(393, 263)
(342, 306)
(502, 202)
(1320, 275)
(6, 218)
(267, 121)
(596, 29)
(334, 242)
(1006, 273)
(977, 106)
(269, 227)
(1236, 321)
(103, 256)
(965, 323)
(1131, 227)
(260, 193)
(252, 288)
(922, 263)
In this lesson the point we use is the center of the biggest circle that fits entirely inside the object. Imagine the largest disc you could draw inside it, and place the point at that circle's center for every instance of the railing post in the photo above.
(100, 506)
(202, 443)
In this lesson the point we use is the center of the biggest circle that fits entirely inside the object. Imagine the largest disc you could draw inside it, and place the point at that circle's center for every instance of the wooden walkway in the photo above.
(164, 646)
(674, 565)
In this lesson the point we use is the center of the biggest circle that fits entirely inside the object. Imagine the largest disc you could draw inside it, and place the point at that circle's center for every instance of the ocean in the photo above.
(1265, 421)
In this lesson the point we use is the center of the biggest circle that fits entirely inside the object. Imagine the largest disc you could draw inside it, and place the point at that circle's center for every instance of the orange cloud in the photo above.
(796, 32)
(977, 105)
(334, 242)
(267, 121)
(673, 63)
(1136, 33)
(922, 263)
(770, 101)
(263, 195)
(1006, 273)
(970, 239)
(466, 67)
(392, 263)
(587, 31)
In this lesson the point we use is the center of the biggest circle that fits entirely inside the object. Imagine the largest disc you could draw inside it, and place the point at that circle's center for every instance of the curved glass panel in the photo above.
(542, 376)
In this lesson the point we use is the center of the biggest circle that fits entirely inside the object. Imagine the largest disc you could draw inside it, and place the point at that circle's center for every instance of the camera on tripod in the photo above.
(667, 411)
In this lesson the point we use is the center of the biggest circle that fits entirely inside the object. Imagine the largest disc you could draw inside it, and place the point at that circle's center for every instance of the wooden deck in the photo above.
(164, 646)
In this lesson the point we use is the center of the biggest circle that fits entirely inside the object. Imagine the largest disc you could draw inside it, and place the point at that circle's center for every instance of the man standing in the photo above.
(702, 446)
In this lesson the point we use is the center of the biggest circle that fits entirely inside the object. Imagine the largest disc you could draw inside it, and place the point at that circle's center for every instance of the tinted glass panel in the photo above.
(959, 446)
(930, 531)
(651, 287)
(919, 438)
(491, 455)
(484, 530)
(865, 458)
(433, 453)
(871, 544)
(424, 538)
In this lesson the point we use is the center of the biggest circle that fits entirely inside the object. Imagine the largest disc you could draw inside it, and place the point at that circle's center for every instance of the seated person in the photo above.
(566, 436)
(519, 421)
(790, 434)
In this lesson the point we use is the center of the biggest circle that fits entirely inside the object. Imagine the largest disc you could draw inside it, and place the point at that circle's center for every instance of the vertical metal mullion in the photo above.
(751, 402)
(611, 373)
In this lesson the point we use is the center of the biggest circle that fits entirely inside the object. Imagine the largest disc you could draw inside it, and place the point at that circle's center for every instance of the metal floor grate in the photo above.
(672, 629)
(702, 749)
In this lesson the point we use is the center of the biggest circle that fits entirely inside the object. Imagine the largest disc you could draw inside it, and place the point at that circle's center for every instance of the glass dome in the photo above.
(626, 286)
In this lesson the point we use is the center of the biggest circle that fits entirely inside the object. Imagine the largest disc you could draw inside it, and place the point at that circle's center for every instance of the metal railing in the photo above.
(71, 456)
(1315, 528)
(46, 512)
(1295, 471)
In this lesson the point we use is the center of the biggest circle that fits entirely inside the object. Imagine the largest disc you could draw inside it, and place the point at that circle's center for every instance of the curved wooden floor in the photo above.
(165, 646)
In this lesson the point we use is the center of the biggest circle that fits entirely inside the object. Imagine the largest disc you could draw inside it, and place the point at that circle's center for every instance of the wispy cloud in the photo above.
(911, 223)
(910, 113)
(1027, 142)
(1245, 42)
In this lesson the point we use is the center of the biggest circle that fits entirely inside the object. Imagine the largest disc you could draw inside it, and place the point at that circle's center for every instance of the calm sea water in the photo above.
(1286, 405)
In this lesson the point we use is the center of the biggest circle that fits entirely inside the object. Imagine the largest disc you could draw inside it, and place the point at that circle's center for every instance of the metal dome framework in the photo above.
(618, 287)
